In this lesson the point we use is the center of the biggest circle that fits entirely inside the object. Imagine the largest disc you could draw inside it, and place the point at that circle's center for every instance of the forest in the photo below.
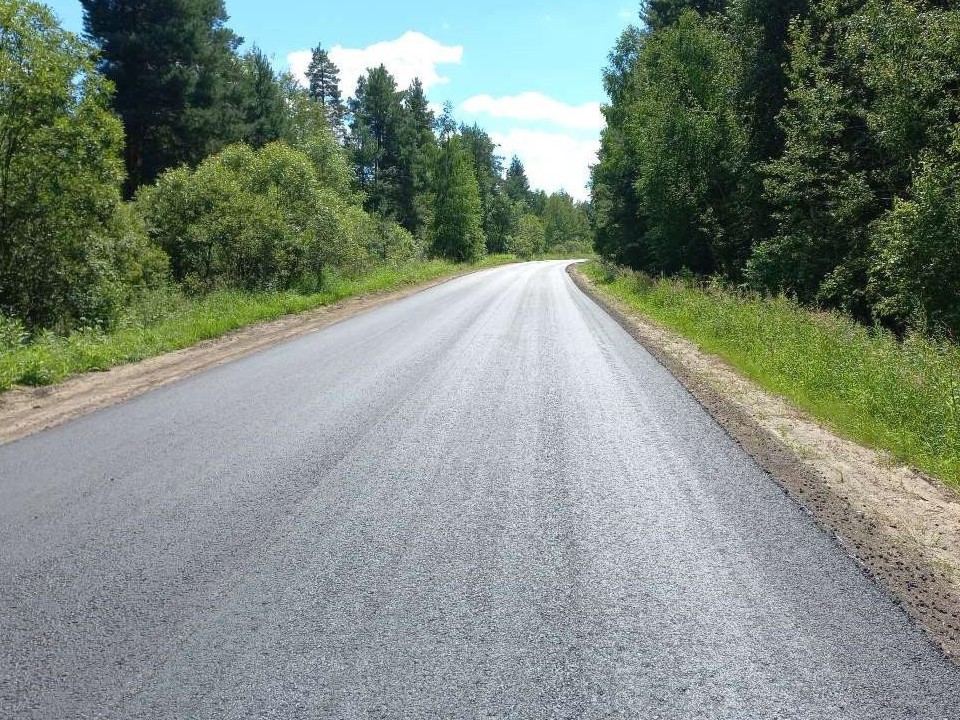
(804, 148)
(160, 156)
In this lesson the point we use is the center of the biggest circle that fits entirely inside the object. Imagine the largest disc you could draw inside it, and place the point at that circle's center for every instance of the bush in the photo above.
(12, 334)
(246, 219)
(391, 243)
(529, 238)
(264, 220)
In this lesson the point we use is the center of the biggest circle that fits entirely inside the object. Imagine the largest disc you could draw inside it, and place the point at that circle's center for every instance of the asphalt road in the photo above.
(485, 500)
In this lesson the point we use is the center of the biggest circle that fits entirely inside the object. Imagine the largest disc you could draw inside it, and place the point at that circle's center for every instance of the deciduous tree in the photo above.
(68, 252)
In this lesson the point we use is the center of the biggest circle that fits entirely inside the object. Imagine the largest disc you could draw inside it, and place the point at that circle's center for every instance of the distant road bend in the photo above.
(485, 500)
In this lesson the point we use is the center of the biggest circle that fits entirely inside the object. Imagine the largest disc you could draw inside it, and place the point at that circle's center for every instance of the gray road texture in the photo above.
(485, 500)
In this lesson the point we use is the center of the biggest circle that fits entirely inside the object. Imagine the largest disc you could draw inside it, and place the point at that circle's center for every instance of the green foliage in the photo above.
(323, 77)
(503, 218)
(660, 14)
(488, 167)
(675, 143)
(262, 96)
(171, 63)
(820, 187)
(517, 186)
(69, 254)
(418, 150)
(309, 132)
(871, 111)
(457, 233)
(618, 224)
(566, 226)
(916, 250)
(13, 335)
(267, 220)
(804, 147)
(376, 113)
(247, 219)
(529, 238)
(391, 243)
(897, 396)
(760, 29)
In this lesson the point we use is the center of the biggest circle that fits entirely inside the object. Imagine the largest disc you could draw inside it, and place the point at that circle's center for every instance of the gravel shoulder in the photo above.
(900, 525)
(25, 411)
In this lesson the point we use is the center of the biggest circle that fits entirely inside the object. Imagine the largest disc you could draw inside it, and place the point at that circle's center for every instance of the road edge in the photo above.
(926, 591)
(27, 411)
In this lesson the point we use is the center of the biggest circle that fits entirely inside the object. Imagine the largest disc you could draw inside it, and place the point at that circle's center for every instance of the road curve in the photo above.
(483, 500)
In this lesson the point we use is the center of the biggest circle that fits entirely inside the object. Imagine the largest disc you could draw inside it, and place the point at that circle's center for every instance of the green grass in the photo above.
(899, 396)
(166, 320)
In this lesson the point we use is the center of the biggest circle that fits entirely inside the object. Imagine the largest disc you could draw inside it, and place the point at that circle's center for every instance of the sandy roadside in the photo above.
(902, 526)
(24, 411)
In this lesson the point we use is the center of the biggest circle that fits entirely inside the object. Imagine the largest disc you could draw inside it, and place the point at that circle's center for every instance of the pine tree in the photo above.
(457, 233)
(517, 186)
(263, 99)
(418, 147)
(658, 14)
(503, 219)
(324, 86)
(376, 117)
(820, 186)
(171, 62)
(760, 28)
(446, 124)
(488, 167)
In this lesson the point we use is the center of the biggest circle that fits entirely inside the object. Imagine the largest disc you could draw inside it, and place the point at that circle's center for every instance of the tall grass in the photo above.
(167, 319)
(898, 396)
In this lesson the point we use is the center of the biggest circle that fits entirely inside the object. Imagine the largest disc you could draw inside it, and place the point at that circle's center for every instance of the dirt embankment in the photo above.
(24, 411)
(902, 526)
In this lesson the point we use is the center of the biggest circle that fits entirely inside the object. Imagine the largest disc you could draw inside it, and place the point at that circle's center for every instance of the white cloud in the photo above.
(537, 107)
(554, 161)
(298, 62)
(413, 55)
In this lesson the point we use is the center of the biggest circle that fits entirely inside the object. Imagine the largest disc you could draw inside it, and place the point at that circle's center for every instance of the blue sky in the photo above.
(527, 71)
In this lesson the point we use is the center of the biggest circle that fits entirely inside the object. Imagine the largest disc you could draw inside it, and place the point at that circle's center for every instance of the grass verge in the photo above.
(167, 320)
(898, 396)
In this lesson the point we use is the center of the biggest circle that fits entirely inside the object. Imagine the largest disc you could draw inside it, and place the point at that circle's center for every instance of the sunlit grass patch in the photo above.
(898, 396)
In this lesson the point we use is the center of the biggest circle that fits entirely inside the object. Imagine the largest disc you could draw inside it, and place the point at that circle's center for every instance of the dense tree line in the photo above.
(154, 152)
(801, 147)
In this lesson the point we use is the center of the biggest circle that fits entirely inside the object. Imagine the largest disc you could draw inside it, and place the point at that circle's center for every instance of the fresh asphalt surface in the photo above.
(485, 500)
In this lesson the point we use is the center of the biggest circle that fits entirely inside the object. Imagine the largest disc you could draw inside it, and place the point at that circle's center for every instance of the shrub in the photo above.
(264, 220)
(12, 334)
(529, 238)
(248, 219)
